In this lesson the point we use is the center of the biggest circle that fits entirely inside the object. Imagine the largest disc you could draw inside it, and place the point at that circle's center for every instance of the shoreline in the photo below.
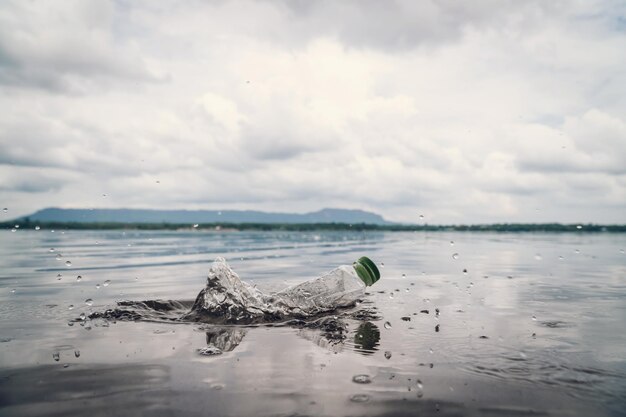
(314, 227)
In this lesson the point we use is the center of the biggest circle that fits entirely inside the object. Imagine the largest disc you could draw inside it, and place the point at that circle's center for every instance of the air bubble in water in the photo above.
(68, 263)
(106, 283)
(37, 228)
(455, 256)
(362, 379)
(89, 302)
(56, 356)
(387, 325)
(79, 278)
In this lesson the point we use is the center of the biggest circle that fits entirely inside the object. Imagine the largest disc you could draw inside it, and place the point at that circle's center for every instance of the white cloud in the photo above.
(502, 111)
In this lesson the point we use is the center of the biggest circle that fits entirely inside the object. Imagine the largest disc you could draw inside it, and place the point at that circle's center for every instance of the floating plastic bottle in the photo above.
(227, 299)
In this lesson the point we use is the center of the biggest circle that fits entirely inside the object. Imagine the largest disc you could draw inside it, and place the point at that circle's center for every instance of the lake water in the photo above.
(534, 326)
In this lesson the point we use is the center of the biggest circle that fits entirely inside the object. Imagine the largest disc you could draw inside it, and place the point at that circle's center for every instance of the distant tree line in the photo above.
(26, 223)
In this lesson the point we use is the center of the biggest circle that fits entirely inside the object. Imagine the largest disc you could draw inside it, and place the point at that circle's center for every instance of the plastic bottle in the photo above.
(227, 299)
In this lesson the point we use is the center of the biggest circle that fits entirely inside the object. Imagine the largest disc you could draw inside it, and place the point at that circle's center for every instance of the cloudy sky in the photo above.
(465, 112)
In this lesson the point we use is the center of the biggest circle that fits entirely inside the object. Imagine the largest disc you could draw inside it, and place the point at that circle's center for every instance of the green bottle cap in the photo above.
(366, 270)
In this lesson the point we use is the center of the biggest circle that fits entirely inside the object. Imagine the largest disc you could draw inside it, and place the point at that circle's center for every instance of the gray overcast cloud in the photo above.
(465, 112)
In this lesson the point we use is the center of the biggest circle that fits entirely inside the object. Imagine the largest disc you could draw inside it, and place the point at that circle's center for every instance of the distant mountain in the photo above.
(202, 216)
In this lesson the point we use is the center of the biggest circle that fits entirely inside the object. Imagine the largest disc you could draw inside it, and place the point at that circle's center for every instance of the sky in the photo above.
(462, 112)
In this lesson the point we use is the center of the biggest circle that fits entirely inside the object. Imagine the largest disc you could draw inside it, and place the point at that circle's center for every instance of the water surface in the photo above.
(513, 324)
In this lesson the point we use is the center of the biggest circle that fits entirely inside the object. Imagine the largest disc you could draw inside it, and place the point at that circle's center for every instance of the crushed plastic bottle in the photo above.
(227, 299)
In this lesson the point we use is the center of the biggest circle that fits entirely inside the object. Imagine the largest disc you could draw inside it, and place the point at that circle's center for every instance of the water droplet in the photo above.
(577, 251)
(14, 230)
(452, 243)
(561, 258)
(97, 286)
(66, 365)
(391, 295)
(104, 195)
(82, 317)
(534, 318)
(360, 398)
(13, 291)
(464, 271)
(431, 351)
(4, 210)
(403, 275)
(382, 264)
(79, 278)
(59, 256)
(455, 256)
(37, 228)
(362, 379)
(51, 250)
(387, 325)
(70, 307)
(387, 355)
(538, 256)
(56, 356)
(421, 217)
(419, 384)
(217, 387)
(579, 227)
(89, 302)
(195, 226)
(59, 276)
(621, 251)
(68, 263)
(77, 353)
(17, 226)
(107, 283)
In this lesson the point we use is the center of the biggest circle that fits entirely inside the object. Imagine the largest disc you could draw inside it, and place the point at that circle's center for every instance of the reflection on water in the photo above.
(226, 339)
(366, 338)
(496, 330)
